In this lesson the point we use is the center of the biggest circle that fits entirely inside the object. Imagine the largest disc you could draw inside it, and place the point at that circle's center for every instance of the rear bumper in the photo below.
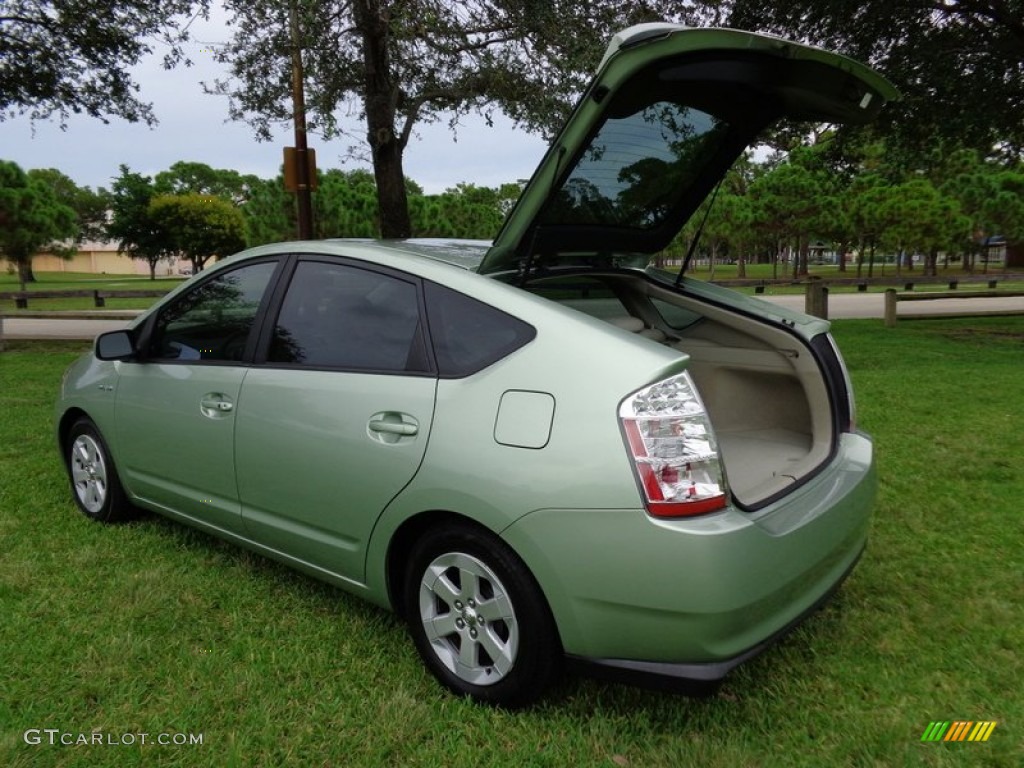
(691, 599)
(696, 678)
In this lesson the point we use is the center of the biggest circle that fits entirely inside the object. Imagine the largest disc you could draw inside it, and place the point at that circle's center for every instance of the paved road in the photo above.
(842, 305)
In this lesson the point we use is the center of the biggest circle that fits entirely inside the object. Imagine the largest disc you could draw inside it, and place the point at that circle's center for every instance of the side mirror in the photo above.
(114, 345)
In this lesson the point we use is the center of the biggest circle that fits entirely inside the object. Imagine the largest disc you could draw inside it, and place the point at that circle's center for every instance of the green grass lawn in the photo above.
(152, 628)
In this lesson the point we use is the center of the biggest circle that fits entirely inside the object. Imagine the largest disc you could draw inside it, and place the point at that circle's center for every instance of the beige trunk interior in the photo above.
(765, 394)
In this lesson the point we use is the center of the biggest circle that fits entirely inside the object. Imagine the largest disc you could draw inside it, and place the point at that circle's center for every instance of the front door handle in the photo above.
(215, 405)
(393, 428)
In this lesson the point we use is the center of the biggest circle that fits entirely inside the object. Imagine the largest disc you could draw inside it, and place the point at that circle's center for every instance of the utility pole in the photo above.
(300, 160)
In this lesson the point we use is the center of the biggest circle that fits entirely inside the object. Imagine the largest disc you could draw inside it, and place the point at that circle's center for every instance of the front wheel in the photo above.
(94, 483)
(478, 618)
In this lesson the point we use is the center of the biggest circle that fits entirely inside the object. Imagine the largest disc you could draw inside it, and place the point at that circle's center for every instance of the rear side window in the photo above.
(338, 316)
(469, 335)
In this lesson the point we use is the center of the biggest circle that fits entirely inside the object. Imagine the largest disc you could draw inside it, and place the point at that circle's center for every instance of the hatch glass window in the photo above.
(637, 166)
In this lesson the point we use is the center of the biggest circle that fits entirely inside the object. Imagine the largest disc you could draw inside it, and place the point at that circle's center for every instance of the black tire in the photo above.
(469, 598)
(95, 486)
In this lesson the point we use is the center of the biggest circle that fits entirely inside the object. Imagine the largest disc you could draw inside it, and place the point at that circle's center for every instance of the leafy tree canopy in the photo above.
(68, 57)
(90, 207)
(31, 217)
(958, 63)
(130, 224)
(197, 227)
(345, 205)
(183, 177)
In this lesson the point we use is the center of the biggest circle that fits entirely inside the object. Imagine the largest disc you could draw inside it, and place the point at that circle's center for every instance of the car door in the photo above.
(176, 403)
(335, 420)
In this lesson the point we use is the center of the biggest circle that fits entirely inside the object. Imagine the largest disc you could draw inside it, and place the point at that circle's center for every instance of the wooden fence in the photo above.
(99, 298)
(893, 298)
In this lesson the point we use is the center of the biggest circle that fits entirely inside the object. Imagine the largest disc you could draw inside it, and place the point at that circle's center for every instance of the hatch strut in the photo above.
(697, 234)
(527, 263)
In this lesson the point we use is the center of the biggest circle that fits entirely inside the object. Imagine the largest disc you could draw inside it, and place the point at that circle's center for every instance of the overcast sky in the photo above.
(194, 127)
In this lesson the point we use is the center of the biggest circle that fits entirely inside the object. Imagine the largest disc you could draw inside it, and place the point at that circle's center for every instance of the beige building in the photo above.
(104, 259)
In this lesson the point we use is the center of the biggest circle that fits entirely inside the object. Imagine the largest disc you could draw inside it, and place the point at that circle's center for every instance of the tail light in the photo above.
(673, 449)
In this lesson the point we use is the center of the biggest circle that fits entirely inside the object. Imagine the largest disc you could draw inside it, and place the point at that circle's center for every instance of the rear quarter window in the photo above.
(469, 335)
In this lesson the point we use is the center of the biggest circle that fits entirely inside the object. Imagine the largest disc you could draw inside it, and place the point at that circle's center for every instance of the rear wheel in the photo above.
(479, 620)
(94, 483)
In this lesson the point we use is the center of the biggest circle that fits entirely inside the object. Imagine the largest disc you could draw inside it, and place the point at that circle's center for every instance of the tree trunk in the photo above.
(380, 97)
(741, 264)
(25, 273)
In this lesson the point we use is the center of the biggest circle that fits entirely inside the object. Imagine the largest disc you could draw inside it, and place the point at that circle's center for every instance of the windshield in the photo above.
(636, 167)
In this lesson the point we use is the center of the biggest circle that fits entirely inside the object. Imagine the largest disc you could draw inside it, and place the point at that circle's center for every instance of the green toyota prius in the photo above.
(540, 450)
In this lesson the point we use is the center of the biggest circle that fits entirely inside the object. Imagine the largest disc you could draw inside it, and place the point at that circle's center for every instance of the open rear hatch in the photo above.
(670, 110)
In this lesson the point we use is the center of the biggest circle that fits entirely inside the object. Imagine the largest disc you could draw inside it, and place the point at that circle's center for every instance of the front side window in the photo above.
(212, 321)
(338, 316)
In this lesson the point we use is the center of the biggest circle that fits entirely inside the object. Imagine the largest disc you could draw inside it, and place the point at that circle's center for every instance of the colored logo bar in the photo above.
(958, 730)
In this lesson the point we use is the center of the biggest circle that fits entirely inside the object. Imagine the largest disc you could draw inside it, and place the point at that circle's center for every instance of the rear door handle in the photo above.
(393, 427)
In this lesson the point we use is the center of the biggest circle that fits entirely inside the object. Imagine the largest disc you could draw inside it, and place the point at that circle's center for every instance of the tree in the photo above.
(31, 217)
(130, 224)
(345, 205)
(90, 207)
(464, 211)
(869, 202)
(924, 221)
(397, 64)
(958, 63)
(990, 195)
(184, 176)
(794, 201)
(197, 227)
(74, 56)
(269, 213)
